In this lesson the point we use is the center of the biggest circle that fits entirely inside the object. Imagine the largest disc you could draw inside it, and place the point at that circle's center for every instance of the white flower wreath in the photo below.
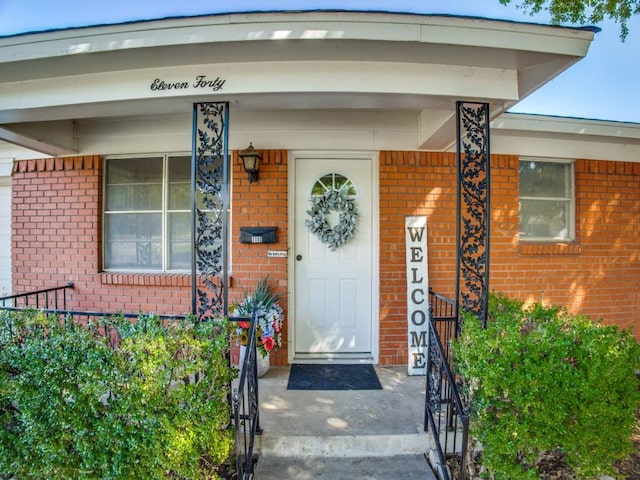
(318, 224)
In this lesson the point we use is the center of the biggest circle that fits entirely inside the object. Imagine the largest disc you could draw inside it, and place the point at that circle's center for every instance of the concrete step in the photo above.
(370, 434)
(381, 445)
(405, 467)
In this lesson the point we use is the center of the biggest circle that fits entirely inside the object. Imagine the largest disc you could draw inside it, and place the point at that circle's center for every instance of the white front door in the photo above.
(333, 288)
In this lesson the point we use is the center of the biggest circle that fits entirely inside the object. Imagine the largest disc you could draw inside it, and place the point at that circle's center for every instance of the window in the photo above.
(147, 213)
(547, 203)
(333, 181)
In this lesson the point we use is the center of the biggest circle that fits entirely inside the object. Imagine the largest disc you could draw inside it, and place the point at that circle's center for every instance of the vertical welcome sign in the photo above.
(417, 292)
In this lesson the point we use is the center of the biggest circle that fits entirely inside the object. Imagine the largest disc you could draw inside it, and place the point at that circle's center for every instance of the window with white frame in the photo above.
(547, 202)
(147, 213)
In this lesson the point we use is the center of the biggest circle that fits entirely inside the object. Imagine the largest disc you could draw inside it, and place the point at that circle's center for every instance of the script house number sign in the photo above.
(199, 82)
(417, 293)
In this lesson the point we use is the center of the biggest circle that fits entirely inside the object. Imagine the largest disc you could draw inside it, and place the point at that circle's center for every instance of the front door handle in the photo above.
(298, 257)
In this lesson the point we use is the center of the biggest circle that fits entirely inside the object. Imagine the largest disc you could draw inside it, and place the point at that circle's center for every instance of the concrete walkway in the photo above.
(358, 434)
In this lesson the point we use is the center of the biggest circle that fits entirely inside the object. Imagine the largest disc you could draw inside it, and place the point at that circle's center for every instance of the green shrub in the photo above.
(539, 380)
(147, 400)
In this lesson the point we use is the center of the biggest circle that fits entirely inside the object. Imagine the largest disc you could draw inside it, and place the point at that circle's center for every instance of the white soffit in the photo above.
(539, 135)
(285, 60)
(514, 122)
(468, 35)
(33, 143)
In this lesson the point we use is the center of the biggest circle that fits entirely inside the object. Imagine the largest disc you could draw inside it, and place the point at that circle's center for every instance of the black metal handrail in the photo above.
(246, 410)
(53, 301)
(445, 411)
(45, 298)
(443, 312)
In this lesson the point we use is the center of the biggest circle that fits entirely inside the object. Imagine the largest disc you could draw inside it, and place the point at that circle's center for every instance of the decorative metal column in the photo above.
(209, 210)
(473, 213)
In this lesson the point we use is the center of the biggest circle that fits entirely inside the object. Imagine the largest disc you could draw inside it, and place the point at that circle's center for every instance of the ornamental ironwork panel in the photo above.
(209, 209)
(245, 401)
(434, 373)
(472, 263)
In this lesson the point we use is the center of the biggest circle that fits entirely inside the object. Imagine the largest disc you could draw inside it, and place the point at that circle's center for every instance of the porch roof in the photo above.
(284, 61)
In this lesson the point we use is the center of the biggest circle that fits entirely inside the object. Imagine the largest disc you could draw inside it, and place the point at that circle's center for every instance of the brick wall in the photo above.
(598, 275)
(56, 239)
(261, 204)
(413, 183)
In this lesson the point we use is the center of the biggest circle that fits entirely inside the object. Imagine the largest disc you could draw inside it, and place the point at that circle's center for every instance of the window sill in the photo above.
(160, 279)
(549, 248)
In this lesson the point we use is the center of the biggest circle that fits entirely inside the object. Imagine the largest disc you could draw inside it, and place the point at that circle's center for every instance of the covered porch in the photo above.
(293, 84)
(318, 85)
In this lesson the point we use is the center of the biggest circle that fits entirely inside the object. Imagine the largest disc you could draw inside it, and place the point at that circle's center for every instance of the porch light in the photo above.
(251, 162)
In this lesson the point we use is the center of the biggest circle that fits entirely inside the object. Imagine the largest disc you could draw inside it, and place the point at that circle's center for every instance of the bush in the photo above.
(540, 380)
(112, 400)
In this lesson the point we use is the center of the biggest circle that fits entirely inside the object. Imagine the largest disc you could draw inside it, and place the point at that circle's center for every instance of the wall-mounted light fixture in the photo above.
(251, 162)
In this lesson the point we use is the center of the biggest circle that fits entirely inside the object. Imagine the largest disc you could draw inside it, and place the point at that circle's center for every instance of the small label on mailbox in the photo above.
(256, 239)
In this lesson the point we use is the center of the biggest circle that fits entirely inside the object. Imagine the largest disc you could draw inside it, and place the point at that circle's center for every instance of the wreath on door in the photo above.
(318, 223)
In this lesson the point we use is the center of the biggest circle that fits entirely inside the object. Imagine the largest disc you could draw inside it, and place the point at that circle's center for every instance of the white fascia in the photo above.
(561, 137)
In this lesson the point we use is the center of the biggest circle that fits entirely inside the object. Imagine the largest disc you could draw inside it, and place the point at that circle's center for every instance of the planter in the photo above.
(263, 362)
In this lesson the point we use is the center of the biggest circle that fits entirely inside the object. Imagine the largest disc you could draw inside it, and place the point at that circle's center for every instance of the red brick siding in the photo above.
(598, 275)
(57, 207)
(58, 243)
(413, 183)
(261, 204)
(56, 239)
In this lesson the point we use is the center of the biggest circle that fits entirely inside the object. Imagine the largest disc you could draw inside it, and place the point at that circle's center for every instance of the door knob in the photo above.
(298, 257)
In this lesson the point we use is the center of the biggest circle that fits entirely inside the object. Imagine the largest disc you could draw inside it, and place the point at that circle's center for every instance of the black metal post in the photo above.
(210, 174)
(473, 210)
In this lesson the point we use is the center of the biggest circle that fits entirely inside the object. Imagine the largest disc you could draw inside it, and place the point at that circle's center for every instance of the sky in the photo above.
(602, 86)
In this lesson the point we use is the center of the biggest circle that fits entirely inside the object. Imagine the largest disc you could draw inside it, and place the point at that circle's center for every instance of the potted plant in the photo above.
(263, 301)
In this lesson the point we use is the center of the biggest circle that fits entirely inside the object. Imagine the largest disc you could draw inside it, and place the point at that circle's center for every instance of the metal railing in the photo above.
(443, 313)
(53, 301)
(46, 298)
(244, 400)
(445, 412)
(246, 410)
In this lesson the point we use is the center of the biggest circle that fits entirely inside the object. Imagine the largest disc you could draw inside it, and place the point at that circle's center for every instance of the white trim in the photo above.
(375, 248)
(34, 144)
(568, 138)
(582, 127)
(375, 267)
(6, 214)
(90, 94)
(291, 293)
(309, 26)
(533, 158)
(164, 211)
(571, 221)
(323, 60)
(6, 168)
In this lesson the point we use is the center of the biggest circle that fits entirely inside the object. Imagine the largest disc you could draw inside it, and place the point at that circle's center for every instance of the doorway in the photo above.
(334, 301)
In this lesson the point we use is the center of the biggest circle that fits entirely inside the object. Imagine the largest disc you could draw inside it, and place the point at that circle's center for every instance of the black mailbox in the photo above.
(258, 234)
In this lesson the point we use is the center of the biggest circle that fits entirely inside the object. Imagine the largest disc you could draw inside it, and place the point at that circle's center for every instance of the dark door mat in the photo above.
(333, 377)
